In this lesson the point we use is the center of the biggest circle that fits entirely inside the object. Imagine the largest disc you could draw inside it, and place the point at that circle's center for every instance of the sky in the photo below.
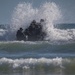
(67, 8)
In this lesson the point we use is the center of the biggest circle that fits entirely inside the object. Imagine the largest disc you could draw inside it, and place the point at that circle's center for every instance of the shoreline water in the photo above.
(55, 56)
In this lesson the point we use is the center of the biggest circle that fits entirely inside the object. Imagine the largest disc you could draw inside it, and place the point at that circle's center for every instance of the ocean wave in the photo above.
(24, 13)
(41, 65)
(29, 62)
(37, 49)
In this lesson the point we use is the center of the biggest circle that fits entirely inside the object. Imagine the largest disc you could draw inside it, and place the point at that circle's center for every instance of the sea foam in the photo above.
(30, 62)
(24, 13)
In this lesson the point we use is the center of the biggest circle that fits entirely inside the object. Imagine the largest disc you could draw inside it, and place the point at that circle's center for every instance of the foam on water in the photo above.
(24, 13)
(24, 63)
(2, 32)
(41, 66)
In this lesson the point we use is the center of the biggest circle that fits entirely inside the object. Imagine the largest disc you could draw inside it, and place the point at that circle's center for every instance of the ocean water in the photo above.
(33, 58)
(53, 56)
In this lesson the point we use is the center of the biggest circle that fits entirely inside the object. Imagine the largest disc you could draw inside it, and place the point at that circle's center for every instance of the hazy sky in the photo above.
(67, 8)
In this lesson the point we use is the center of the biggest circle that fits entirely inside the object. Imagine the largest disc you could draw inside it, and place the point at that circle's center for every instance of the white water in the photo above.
(24, 13)
(25, 63)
